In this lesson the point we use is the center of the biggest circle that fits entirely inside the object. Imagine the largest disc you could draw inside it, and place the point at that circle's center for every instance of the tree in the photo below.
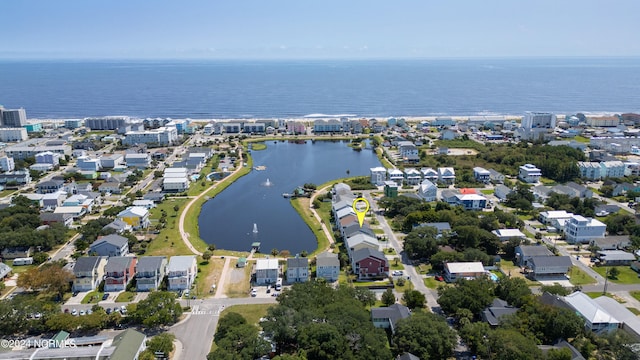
(555, 289)
(513, 290)
(474, 295)
(388, 297)
(274, 252)
(323, 342)
(206, 255)
(425, 335)
(614, 273)
(510, 344)
(51, 278)
(226, 322)
(365, 296)
(421, 242)
(160, 308)
(161, 343)
(414, 299)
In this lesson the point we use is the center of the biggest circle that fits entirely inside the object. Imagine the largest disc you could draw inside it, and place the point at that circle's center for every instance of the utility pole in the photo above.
(606, 279)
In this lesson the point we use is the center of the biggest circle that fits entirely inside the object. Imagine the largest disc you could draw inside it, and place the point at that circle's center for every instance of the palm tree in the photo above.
(348, 172)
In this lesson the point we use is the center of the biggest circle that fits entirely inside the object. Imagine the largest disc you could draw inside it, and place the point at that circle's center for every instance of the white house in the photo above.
(596, 318)
(446, 175)
(506, 234)
(481, 174)
(459, 270)
(546, 217)
(267, 271)
(529, 173)
(412, 176)
(396, 176)
(429, 174)
(408, 151)
(582, 230)
(378, 175)
(181, 272)
(428, 190)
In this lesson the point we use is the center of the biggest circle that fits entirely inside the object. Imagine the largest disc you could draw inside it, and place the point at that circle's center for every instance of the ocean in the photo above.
(289, 89)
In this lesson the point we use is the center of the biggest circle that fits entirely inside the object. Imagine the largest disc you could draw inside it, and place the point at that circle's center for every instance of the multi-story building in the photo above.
(150, 270)
(14, 117)
(297, 269)
(536, 120)
(579, 229)
(603, 121)
(181, 272)
(88, 272)
(106, 122)
(253, 128)
(136, 216)
(118, 272)
(589, 170)
(378, 175)
(18, 177)
(141, 161)
(162, 136)
(408, 151)
(73, 123)
(48, 157)
(327, 126)
(412, 176)
(23, 151)
(296, 127)
(327, 266)
(175, 179)
(529, 173)
(481, 174)
(612, 169)
(86, 163)
(267, 271)
(7, 163)
(446, 175)
(13, 134)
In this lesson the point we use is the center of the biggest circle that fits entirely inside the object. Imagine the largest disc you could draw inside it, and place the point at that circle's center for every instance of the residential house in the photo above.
(51, 201)
(140, 161)
(150, 270)
(596, 318)
(327, 266)
(501, 192)
(50, 218)
(396, 176)
(615, 257)
(612, 242)
(5, 270)
(79, 200)
(181, 272)
(137, 217)
(429, 174)
(507, 234)
(612, 169)
(118, 272)
(498, 309)
(297, 269)
(15, 252)
(412, 176)
(147, 204)
(378, 175)
(462, 270)
(156, 197)
(408, 151)
(368, 263)
(428, 190)
(496, 177)
(85, 163)
(354, 228)
(128, 346)
(590, 170)
(481, 174)
(16, 178)
(546, 217)
(441, 227)
(110, 245)
(391, 189)
(529, 173)
(75, 211)
(361, 241)
(545, 267)
(446, 175)
(449, 134)
(88, 272)
(111, 161)
(630, 322)
(267, 271)
(524, 253)
(49, 186)
(388, 317)
(118, 226)
(582, 230)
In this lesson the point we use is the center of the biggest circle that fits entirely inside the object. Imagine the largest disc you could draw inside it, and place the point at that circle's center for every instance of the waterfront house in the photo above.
(118, 272)
(327, 266)
(150, 270)
(147, 204)
(137, 217)
(388, 317)
(88, 272)
(361, 241)
(181, 272)
(378, 175)
(549, 267)
(267, 271)
(297, 269)
(110, 245)
(369, 263)
(524, 253)
(459, 270)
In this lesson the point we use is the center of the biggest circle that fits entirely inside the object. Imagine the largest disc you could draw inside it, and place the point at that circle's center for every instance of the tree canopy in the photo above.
(425, 335)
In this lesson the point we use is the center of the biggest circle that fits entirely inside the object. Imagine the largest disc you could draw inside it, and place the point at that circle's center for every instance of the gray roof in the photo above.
(367, 252)
(497, 310)
(53, 182)
(394, 313)
(534, 250)
(48, 216)
(4, 270)
(440, 226)
(180, 263)
(117, 263)
(128, 344)
(407, 356)
(298, 262)
(149, 263)
(616, 255)
(86, 263)
(116, 224)
(551, 261)
(113, 239)
(327, 259)
(355, 228)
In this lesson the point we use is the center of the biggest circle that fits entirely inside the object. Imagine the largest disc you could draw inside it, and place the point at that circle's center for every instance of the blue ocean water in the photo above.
(231, 89)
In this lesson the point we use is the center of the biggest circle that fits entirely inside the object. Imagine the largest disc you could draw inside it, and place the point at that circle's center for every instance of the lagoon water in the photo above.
(228, 219)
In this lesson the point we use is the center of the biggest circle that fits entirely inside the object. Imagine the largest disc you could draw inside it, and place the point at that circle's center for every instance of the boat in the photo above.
(286, 195)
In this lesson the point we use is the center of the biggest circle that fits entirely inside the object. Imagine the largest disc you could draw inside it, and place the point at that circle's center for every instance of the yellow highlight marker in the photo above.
(360, 211)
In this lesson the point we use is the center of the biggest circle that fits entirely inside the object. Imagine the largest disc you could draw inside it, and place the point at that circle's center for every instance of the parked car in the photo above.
(83, 313)
(75, 293)
(397, 273)
(105, 296)
(439, 278)
(108, 311)
(74, 312)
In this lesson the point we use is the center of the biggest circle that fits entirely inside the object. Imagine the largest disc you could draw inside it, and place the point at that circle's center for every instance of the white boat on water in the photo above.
(286, 195)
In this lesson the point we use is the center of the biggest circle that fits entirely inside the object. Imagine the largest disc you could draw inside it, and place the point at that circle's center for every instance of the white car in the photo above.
(397, 273)
(82, 312)
(74, 312)
(254, 292)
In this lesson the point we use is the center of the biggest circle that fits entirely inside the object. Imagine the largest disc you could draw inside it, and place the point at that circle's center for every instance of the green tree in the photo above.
(474, 295)
(555, 289)
(414, 299)
(365, 296)
(388, 297)
(425, 335)
(421, 242)
(206, 255)
(510, 344)
(161, 343)
(228, 321)
(51, 278)
(513, 290)
(614, 273)
(323, 342)
(160, 308)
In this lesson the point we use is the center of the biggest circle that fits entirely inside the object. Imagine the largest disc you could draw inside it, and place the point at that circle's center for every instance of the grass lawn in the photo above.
(627, 276)
(396, 265)
(424, 268)
(126, 296)
(93, 297)
(634, 310)
(635, 294)
(408, 285)
(21, 268)
(386, 163)
(487, 191)
(252, 313)
(579, 277)
(378, 231)
(239, 288)
(511, 270)
(209, 274)
(168, 242)
(301, 205)
(257, 146)
(432, 283)
(596, 294)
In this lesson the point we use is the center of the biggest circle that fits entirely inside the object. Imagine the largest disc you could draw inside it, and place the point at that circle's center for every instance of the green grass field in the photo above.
(126, 296)
(579, 277)
(627, 276)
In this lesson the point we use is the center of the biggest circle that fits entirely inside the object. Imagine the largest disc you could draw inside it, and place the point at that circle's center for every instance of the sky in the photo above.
(301, 29)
